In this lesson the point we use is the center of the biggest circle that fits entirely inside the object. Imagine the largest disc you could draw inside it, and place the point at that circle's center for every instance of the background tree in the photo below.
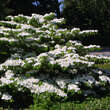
(47, 6)
(4, 10)
(21, 6)
(89, 14)
(28, 7)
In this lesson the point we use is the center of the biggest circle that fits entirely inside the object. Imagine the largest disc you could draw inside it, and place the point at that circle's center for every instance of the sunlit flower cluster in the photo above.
(6, 97)
(88, 31)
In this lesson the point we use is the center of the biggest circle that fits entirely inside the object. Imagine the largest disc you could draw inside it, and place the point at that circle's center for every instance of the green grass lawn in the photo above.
(104, 66)
(91, 104)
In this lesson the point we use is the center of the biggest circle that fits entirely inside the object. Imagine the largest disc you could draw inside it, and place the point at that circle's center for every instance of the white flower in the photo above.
(48, 14)
(61, 83)
(5, 81)
(30, 60)
(28, 82)
(59, 31)
(52, 62)
(43, 55)
(73, 87)
(25, 26)
(88, 31)
(1, 67)
(6, 96)
(46, 26)
(92, 46)
(63, 63)
(100, 72)
(9, 74)
(23, 34)
(11, 62)
(75, 29)
(37, 64)
(61, 93)
(8, 39)
(57, 20)
(104, 78)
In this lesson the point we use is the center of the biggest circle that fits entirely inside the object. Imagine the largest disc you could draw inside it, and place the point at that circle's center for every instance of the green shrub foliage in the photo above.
(39, 57)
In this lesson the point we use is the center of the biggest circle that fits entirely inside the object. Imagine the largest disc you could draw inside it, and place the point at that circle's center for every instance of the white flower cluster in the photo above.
(104, 78)
(92, 46)
(23, 34)
(7, 78)
(33, 83)
(8, 39)
(10, 22)
(6, 96)
(11, 62)
(75, 43)
(57, 20)
(75, 29)
(88, 31)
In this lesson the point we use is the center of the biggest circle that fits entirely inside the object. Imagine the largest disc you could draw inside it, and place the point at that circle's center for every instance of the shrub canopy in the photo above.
(38, 56)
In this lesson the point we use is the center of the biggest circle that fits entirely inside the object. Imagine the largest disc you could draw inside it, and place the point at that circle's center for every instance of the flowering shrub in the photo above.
(38, 56)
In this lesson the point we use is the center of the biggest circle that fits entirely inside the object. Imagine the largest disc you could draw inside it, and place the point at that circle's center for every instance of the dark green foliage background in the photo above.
(25, 7)
(89, 14)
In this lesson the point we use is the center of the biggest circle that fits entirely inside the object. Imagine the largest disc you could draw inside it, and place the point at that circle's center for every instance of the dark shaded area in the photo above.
(89, 14)
(27, 7)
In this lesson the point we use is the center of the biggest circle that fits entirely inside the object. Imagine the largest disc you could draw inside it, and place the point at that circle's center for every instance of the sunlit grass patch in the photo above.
(103, 66)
